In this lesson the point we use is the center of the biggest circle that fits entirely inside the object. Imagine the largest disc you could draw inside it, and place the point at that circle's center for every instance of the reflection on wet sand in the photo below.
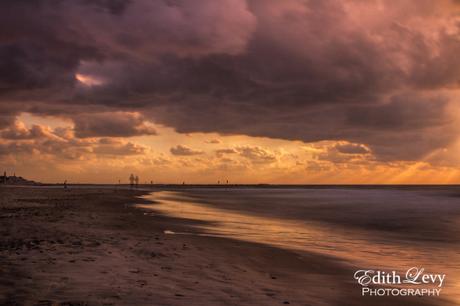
(347, 238)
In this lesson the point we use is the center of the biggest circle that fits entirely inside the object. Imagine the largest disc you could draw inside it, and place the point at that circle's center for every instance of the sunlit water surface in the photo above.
(332, 222)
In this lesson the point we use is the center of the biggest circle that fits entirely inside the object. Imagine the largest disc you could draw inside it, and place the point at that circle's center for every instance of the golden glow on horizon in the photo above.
(207, 158)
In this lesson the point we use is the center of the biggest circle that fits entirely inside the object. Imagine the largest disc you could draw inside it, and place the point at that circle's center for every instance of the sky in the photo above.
(249, 91)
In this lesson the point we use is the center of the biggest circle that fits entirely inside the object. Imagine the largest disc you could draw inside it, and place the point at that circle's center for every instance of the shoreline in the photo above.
(92, 247)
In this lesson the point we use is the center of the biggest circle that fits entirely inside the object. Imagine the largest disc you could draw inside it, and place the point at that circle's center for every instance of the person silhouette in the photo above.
(131, 180)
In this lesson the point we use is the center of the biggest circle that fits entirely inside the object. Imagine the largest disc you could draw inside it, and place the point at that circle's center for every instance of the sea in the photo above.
(387, 228)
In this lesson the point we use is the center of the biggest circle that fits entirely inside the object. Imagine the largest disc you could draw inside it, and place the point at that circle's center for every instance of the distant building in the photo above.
(15, 180)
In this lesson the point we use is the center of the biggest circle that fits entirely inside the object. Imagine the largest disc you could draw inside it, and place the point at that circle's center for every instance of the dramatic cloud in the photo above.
(351, 148)
(111, 124)
(57, 154)
(383, 75)
(181, 150)
(255, 154)
(222, 152)
(12, 148)
(19, 131)
(61, 143)
(113, 147)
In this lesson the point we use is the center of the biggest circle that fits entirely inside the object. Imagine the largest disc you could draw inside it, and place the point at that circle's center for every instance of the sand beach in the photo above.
(91, 246)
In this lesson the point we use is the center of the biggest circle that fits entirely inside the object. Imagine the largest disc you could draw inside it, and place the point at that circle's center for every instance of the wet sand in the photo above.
(92, 247)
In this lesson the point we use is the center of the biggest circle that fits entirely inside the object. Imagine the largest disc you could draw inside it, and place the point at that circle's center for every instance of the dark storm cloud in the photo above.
(111, 124)
(5, 120)
(406, 112)
(351, 148)
(370, 72)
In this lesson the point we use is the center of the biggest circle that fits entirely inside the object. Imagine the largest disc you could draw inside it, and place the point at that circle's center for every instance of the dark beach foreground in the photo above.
(91, 247)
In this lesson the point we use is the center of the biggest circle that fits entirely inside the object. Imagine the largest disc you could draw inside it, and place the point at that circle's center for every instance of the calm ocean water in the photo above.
(378, 228)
